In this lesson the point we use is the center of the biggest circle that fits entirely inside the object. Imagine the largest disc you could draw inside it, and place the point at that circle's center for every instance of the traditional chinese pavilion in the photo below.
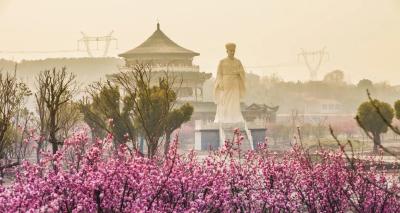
(163, 54)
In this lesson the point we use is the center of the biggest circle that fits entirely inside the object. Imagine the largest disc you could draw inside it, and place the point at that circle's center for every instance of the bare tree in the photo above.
(42, 121)
(20, 134)
(69, 118)
(320, 128)
(55, 88)
(12, 94)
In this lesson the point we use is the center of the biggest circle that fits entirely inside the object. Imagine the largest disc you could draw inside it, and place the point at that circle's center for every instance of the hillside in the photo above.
(87, 70)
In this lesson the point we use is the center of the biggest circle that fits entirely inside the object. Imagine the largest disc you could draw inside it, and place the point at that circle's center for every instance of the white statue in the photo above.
(229, 88)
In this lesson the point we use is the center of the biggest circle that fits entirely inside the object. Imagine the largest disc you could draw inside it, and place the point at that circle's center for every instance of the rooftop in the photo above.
(158, 43)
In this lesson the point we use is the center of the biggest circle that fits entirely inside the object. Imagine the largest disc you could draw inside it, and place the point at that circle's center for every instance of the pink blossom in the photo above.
(91, 176)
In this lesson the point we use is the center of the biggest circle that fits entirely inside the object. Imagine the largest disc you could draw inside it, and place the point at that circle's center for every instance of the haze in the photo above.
(361, 36)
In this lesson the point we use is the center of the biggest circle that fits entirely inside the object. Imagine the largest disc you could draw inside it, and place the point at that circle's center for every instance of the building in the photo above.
(164, 55)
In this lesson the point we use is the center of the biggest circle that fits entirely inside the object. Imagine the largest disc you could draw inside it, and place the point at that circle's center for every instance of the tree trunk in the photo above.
(38, 149)
(2, 177)
(53, 139)
(3, 130)
(377, 141)
(54, 146)
(40, 143)
(167, 142)
(150, 149)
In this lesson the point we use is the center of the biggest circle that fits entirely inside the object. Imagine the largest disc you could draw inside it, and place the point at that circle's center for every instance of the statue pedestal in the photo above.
(210, 135)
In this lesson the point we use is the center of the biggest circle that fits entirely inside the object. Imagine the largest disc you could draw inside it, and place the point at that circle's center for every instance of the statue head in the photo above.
(230, 49)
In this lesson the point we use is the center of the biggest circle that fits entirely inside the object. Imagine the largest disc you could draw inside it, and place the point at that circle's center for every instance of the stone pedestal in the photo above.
(206, 137)
(209, 135)
(259, 135)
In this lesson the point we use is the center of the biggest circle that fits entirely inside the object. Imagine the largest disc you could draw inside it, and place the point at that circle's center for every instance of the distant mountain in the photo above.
(87, 70)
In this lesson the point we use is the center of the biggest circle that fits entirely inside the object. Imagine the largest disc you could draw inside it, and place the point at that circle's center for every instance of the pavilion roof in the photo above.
(158, 43)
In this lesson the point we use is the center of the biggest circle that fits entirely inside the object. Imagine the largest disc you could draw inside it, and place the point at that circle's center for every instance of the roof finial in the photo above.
(158, 24)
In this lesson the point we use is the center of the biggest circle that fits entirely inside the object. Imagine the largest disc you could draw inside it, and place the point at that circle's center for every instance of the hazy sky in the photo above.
(361, 36)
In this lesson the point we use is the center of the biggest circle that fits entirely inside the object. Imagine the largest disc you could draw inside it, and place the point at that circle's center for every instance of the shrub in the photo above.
(93, 177)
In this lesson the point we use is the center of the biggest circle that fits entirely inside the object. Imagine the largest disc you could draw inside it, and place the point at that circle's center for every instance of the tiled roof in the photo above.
(158, 43)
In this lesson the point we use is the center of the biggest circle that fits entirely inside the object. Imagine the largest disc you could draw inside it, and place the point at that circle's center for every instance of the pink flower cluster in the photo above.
(90, 176)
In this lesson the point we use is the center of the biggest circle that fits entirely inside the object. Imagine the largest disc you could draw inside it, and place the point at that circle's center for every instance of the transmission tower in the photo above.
(88, 40)
(313, 60)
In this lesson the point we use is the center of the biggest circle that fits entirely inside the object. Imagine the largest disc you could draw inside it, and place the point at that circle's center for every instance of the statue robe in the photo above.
(229, 89)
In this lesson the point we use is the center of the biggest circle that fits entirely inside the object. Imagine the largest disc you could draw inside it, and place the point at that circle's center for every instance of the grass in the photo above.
(327, 143)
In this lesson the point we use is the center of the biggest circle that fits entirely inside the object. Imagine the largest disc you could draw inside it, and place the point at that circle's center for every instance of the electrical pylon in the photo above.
(87, 40)
(315, 57)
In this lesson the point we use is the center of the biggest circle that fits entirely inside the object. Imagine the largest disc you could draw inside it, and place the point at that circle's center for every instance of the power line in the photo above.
(278, 65)
(105, 51)
(37, 51)
(273, 65)
(86, 40)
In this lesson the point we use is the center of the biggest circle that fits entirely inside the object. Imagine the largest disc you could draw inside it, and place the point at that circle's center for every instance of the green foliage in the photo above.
(371, 120)
(175, 119)
(374, 116)
(155, 113)
(153, 104)
(336, 76)
(397, 108)
(178, 116)
(153, 100)
(365, 84)
(104, 114)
